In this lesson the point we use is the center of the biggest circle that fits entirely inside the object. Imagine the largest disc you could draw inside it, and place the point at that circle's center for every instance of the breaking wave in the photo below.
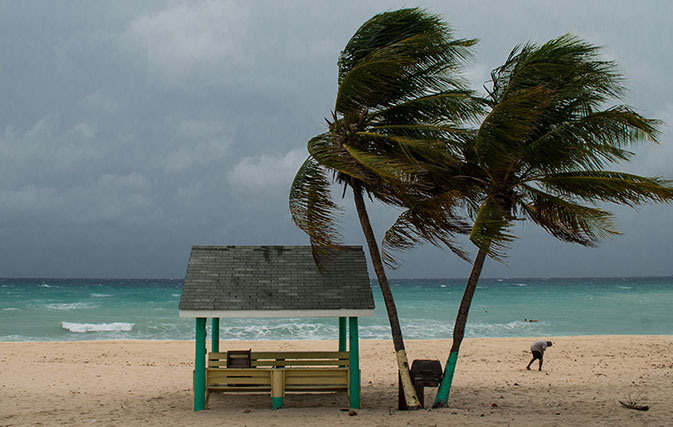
(71, 306)
(81, 328)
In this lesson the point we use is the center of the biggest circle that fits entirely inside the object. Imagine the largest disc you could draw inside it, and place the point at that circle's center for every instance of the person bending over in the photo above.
(538, 349)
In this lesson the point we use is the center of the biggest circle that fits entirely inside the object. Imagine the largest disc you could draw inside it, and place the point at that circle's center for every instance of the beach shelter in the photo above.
(225, 282)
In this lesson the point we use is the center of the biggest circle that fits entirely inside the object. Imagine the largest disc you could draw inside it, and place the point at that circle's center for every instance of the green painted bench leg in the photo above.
(277, 387)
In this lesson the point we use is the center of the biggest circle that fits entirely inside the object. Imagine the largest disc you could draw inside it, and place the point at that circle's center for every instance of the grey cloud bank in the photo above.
(130, 131)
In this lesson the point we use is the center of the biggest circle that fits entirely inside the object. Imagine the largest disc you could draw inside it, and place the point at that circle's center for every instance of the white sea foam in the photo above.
(14, 338)
(71, 306)
(100, 295)
(420, 328)
(44, 285)
(292, 328)
(11, 309)
(624, 287)
(81, 328)
(522, 284)
(175, 295)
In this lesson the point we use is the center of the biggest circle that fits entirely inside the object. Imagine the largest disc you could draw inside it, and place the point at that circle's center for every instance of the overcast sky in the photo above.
(131, 130)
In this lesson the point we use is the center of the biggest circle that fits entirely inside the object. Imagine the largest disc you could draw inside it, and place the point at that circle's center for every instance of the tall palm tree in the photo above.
(540, 154)
(398, 95)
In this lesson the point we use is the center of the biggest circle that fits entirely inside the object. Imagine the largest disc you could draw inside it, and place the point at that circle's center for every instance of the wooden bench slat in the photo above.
(221, 376)
(302, 362)
(258, 389)
(315, 371)
(315, 388)
(281, 354)
(308, 381)
(300, 354)
(261, 363)
(237, 381)
(238, 371)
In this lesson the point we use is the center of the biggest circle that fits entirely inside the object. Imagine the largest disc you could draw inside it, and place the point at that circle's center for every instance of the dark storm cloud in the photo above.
(130, 131)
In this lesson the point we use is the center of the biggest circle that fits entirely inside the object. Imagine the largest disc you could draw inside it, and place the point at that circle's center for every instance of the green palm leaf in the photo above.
(607, 186)
(504, 133)
(591, 141)
(392, 28)
(568, 221)
(312, 208)
(397, 56)
(490, 231)
(567, 65)
(433, 220)
(325, 149)
(455, 106)
(412, 151)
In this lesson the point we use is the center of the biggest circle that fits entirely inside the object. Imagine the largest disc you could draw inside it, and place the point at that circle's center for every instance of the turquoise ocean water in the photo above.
(86, 309)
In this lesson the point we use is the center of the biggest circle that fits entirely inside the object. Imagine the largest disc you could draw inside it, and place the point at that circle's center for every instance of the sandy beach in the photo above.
(136, 383)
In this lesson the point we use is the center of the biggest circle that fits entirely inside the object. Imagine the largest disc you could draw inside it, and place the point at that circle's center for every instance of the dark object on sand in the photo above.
(424, 373)
(632, 403)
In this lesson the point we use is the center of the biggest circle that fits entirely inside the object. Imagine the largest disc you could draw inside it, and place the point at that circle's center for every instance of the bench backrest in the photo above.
(286, 359)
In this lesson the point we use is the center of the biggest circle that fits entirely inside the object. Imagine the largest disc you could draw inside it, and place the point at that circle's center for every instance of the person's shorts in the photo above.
(537, 355)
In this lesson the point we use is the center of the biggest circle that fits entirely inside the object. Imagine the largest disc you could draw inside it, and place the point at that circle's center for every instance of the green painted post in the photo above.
(215, 345)
(200, 365)
(442, 397)
(342, 334)
(277, 387)
(354, 379)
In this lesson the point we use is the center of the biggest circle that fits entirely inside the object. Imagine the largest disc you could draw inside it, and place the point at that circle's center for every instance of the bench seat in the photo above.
(278, 373)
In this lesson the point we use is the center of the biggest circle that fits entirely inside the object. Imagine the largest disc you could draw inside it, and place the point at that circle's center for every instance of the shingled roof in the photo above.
(274, 281)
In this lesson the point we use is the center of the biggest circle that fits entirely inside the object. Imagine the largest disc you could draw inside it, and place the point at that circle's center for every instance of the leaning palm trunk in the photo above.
(442, 398)
(398, 341)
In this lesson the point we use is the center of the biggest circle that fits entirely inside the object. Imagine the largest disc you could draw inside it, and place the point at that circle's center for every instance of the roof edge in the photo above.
(245, 314)
(266, 246)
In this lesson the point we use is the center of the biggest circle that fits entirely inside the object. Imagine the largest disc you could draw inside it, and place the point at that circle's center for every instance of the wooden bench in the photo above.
(278, 373)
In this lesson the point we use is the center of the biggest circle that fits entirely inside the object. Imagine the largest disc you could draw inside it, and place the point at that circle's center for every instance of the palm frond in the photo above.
(490, 231)
(567, 65)
(329, 153)
(448, 107)
(450, 137)
(397, 56)
(313, 211)
(392, 28)
(433, 220)
(590, 141)
(607, 186)
(393, 169)
(567, 221)
(413, 151)
(502, 137)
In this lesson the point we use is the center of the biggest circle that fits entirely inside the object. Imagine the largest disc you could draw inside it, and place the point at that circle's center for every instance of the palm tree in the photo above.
(398, 96)
(540, 154)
